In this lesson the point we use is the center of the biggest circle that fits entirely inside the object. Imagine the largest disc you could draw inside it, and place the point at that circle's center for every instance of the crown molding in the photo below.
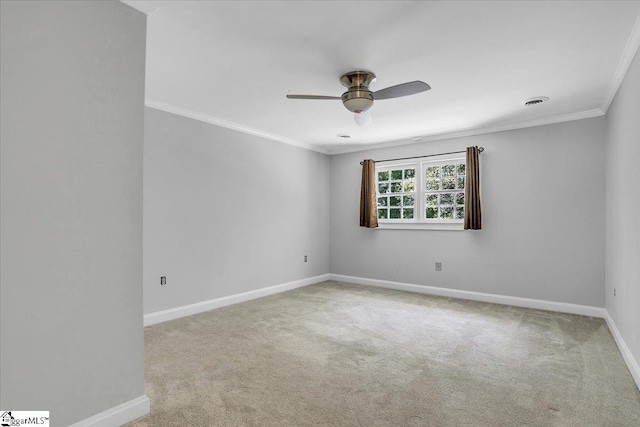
(631, 48)
(477, 131)
(433, 137)
(629, 52)
(146, 7)
(227, 124)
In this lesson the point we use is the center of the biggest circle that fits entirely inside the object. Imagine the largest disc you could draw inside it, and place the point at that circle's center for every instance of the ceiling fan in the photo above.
(358, 98)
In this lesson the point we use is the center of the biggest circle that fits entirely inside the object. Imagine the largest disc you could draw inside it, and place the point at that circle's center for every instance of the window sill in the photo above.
(449, 226)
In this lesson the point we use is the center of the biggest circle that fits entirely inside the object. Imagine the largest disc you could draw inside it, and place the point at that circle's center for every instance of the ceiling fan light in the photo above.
(363, 119)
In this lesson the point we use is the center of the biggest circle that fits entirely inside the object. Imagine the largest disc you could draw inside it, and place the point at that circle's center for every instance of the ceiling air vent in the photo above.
(535, 101)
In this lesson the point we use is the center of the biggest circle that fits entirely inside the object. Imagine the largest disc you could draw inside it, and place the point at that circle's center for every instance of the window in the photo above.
(425, 191)
(396, 193)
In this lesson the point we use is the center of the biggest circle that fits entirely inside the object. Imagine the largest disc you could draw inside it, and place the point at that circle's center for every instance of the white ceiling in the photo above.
(232, 63)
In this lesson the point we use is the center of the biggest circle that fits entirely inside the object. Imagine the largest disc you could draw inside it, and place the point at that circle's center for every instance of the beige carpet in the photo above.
(343, 355)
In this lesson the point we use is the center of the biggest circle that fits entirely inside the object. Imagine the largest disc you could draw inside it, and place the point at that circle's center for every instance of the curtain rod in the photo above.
(480, 150)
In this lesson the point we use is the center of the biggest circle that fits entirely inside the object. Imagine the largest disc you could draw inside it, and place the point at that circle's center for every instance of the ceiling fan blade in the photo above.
(312, 97)
(403, 89)
(363, 119)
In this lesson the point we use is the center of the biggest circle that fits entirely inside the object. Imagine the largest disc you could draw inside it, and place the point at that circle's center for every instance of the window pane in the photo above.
(448, 170)
(461, 182)
(432, 212)
(407, 213)
(407, 200)
(396, 174)
(409, 173)
(460, 212)
(394, 201)
(433, 172)
(383, 213)
(461, 169)
(394, 213)
(396, 187)
(383, 201)
(446, 198)
(448, 183)
(383, 176)
(409, 185)
(432, 184)
(446, 213)
(460, 199)
(383, 188)
(432, 200)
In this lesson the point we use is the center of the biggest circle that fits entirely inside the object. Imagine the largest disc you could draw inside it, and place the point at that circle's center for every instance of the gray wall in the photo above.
(71, 206)
(226, 212)
(542, 192)
(623, 207)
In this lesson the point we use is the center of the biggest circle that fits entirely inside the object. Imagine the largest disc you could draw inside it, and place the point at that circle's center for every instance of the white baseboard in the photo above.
(562, 307)
(118, 415)
(631, 362)
(187, 310)
(199, 307)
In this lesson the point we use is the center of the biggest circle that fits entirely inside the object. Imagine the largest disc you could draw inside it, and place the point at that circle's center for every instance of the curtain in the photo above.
(472, 211)
(368, 210)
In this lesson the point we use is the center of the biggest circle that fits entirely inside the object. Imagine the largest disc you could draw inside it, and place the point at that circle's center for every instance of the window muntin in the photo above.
(396, 192)
(425, 191)
(444, 190)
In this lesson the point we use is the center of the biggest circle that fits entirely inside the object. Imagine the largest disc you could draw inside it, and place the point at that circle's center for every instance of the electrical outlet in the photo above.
(163, 280)
(438, 266)
(305, 258)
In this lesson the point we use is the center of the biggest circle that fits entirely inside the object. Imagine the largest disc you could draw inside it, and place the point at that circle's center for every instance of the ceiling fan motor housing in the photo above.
(358, 98)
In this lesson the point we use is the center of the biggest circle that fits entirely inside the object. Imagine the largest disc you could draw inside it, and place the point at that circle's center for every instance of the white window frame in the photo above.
(420, 222)
(402, 165)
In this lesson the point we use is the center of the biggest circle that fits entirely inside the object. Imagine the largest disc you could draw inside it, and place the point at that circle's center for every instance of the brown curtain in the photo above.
(368, 210)
(472, 211)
